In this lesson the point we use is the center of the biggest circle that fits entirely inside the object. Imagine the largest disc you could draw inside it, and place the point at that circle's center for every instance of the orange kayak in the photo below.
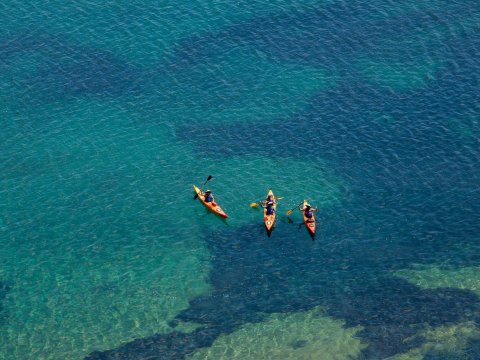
(309, 223)
(210, 205)
(269, 220)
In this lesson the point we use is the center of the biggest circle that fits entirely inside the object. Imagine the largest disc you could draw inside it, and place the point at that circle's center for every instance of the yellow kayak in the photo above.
(210, 205)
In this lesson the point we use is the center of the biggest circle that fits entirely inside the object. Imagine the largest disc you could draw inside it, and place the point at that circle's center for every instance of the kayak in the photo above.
(309, 223)
(269, 220)
(212, 206)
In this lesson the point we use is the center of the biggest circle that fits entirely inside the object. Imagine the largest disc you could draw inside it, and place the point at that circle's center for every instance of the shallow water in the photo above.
(111, 111)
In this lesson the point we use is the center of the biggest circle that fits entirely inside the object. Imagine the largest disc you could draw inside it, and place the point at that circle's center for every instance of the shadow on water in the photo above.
(340, 30)
(357, 119)
(472, 348)
(251, 279)
(373, 124)
(67, 69)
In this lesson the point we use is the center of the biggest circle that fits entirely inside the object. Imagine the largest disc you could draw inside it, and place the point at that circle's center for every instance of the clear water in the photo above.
(110, 111)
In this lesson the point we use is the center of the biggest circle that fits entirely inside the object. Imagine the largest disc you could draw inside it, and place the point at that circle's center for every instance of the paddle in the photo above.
(289, 212)
(208, 179)
(255, 204)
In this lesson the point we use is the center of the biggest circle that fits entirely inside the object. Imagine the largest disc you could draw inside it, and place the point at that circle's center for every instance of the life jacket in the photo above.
(270, 210)
(308, 213)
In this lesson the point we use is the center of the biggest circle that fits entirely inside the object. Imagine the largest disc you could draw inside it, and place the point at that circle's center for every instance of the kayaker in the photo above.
(268, 204)
(307, 210)
(265, 202)
(208, 196)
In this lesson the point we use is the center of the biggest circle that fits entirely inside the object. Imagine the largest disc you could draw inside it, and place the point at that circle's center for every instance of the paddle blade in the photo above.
(289, 212)
(254, 205)
(195, 197)
(208, 179)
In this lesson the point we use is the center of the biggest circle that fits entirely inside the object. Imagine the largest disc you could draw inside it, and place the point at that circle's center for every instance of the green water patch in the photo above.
(398, 76)
(101, 247)
(68, 302)
(240, 85)
(94, 155)
(450, 341)
(85, 136)
(432, 277)
(467, 127)
(303, 335)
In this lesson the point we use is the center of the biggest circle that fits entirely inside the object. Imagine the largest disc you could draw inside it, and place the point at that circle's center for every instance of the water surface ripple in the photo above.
(110, 113)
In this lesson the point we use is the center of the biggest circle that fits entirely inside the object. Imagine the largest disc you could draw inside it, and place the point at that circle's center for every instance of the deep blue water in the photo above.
(399, 124)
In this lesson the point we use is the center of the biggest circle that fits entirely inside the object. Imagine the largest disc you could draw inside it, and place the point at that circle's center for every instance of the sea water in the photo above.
(110, 111)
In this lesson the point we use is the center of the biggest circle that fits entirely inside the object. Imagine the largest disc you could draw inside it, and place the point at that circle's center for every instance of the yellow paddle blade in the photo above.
(254, 205)
(289, 212)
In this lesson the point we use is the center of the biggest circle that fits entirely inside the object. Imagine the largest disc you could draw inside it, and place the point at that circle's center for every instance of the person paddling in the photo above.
(208, 196)
(270, 208)
(307, 210)
(268, 204)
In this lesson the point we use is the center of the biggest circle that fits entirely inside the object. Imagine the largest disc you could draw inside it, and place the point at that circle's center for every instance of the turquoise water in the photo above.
(110, 111)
